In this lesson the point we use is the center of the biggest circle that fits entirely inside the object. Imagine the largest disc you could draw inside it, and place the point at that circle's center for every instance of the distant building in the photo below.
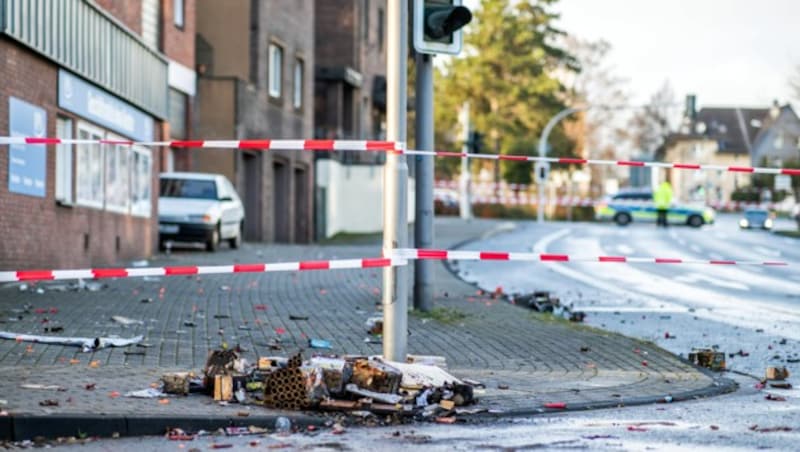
(103, 69)
(729, 136)
(255, 60)
(349, 103)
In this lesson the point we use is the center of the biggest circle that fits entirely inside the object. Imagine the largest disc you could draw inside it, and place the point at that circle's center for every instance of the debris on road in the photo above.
(126, 321)
(708, 358)
(543, 301)
(320, 343)
(87, 344)
(777, 373)
(775, 398)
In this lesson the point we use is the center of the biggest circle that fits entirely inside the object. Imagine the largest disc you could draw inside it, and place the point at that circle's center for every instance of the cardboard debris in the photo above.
(431, 360)
(709, 358)
(376, 376)
(125, 321)
(223, 388)
(177, 382)
(381, 397)
(418, 376)
(86, 343)
(336, 372)
(777, 373)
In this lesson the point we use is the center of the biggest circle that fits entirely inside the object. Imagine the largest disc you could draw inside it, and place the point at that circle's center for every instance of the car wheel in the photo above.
(213, 242)
(236, 242)
(622, 219)
(695, 221)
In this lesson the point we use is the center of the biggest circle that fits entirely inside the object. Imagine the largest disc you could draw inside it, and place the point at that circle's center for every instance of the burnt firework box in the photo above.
(708, 358)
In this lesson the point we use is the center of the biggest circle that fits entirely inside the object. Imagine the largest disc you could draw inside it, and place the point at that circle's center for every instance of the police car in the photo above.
(628, 206)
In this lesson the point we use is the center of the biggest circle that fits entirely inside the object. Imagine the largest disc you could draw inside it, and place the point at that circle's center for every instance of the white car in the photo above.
(199, 207)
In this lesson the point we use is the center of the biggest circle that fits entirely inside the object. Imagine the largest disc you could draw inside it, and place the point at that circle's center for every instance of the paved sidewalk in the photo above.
(483, 339)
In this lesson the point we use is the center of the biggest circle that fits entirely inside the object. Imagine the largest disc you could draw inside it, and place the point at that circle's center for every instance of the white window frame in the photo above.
(178, 13)
(299, 75)
(275, 70)
(141, 182)
(117, 190)
(90, 159)
(64, 192)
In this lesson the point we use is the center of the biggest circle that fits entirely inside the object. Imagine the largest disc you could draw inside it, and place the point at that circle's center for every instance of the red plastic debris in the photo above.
(644, 363)
(260, 307)
(280, 330)
(633, 428)
(556, 405)
(446, 420)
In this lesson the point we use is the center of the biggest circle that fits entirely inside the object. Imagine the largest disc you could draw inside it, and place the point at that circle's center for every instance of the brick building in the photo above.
(254, 61)
(104, 69)
(349, 103)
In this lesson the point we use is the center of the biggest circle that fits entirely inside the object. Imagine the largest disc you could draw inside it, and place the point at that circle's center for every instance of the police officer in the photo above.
(662, 199)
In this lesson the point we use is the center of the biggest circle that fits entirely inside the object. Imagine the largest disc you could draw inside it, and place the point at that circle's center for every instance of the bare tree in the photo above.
(650, 125)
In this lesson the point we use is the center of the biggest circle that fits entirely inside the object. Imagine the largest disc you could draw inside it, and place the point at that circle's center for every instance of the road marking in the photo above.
(692, 278)
(625, 249)
(767, 251)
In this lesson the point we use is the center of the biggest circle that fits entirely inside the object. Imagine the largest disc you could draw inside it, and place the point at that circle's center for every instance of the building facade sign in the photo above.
(27, 165)
(96, 105)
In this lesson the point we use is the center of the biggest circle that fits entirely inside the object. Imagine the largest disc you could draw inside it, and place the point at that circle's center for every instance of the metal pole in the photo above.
(543, 153)
(423, 221)
(465, 203)
(395, 188)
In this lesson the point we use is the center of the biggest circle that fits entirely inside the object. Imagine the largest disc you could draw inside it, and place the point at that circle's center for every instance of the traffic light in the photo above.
(475, 142)
(437, 25)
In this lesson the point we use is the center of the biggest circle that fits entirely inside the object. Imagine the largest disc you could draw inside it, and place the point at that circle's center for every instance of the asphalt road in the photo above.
(751, 312)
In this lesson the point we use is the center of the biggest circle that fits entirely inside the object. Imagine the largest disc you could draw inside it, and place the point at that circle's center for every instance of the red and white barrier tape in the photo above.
(298, 145)
(566, 201)
(356, 145)
(410, 253)
(398, 257)
(98, 273)
(578, 161)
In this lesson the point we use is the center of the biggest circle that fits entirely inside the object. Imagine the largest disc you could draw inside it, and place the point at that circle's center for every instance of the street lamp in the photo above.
(542, 167)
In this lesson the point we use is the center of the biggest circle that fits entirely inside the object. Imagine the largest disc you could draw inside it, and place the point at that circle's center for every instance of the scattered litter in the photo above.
(633, 428)
(283, 426)
(297, 317)
(593, 437)
(775, 398)
(221, 316)
(780, 385)
(319, 343)
(49, 402)
(374, 325)
(502, 386)
(54, 329)
(88, 344)
(149, 393)
(758, 429)
(189, 323)
(585, 349)
(44, 387)
(446, 420)
(146, 300)
(777, 373)
(708, 357)
(125, 321)
(556, 405)
(739, 353)
(381, 397)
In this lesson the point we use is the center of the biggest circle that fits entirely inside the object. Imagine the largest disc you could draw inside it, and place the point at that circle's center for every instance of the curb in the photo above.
(718, 386)
(18, 427)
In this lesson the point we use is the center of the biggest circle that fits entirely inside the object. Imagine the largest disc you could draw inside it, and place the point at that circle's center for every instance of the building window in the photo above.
(141, 181)
(177, 12)
(297, 97)
(150, 23)
(380, 29)
(177, 113)
(275, 70)
(64, 162)
(117, 174)
(89, 169)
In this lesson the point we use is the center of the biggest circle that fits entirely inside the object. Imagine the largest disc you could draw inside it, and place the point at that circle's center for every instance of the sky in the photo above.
(727, 52)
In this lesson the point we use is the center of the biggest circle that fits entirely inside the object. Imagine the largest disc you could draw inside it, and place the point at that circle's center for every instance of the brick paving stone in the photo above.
(495, 342)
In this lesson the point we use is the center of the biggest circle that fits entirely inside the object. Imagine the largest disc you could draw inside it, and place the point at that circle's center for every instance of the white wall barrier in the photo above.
(352, 198)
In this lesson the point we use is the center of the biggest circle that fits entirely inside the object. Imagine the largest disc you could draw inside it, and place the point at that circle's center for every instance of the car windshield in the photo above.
(188, 188)
(755, 215)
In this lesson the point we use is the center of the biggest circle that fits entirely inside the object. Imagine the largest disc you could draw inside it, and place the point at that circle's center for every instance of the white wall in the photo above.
(354, 197)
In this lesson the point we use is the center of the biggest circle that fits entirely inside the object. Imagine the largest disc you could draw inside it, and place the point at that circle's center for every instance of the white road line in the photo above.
(767, 251)
(693, 278)
(625, 249)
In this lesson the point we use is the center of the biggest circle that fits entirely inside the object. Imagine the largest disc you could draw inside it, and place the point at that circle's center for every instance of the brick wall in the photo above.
(36, 232)
(129, 12)
(178, 42)
(336, 45)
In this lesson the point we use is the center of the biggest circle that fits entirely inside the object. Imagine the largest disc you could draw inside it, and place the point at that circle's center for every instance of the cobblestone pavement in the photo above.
(182, 318)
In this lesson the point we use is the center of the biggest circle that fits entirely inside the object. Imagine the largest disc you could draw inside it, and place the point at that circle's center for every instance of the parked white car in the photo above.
(199, 207)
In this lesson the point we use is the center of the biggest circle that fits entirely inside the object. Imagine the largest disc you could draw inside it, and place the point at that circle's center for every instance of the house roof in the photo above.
(734, 128)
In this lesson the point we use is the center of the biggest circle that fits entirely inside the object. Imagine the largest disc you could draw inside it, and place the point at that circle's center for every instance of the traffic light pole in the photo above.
(423, 221)
(540, 181)
(395, 185)
(465, 203)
